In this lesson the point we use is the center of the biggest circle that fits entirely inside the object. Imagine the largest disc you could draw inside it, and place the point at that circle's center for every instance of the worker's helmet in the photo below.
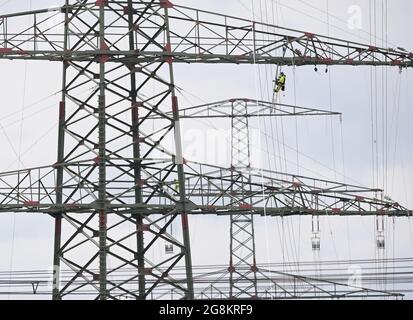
(282, 73)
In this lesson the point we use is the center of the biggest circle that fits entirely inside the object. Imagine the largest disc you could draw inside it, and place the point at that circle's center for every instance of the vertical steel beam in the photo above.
(136, 156)
(59, 170)
(102, 161)
(179, 161)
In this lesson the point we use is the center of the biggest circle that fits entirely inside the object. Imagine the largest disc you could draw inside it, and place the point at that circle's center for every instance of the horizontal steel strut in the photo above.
(208, 189)
(197, 36)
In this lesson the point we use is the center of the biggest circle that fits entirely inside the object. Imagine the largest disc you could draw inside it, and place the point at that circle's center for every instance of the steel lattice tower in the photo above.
(243, 265)
(112, 191)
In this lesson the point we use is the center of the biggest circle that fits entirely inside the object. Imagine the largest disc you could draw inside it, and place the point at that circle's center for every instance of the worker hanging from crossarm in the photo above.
(280, 83)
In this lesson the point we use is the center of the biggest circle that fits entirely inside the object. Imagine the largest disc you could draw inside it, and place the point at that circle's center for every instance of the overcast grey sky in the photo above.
(333, 150)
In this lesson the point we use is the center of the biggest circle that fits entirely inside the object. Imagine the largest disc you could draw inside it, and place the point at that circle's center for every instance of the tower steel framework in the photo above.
(112, 191)
(243, 268)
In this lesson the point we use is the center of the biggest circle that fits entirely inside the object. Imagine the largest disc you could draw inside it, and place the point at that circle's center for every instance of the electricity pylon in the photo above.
(112, 191)
(242, 259)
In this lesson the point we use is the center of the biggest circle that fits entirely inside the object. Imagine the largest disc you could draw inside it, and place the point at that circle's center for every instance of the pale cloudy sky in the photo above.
(342, 153)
